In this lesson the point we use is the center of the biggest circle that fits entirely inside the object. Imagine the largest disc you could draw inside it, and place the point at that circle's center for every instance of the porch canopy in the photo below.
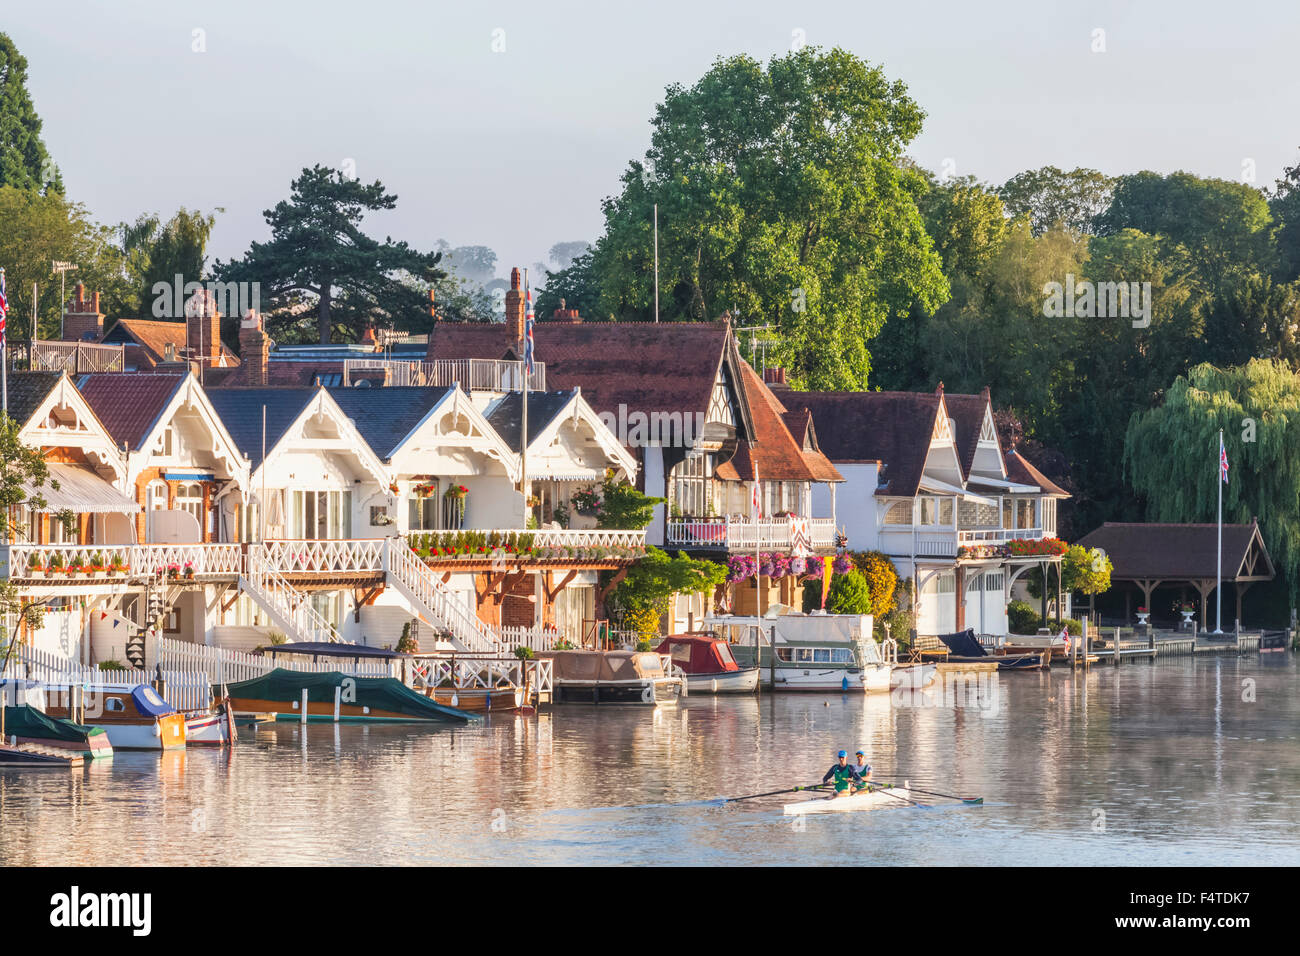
(82, 491)
(1151, 555)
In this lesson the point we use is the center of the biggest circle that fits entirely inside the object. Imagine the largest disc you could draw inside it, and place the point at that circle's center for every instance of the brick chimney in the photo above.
(563, 314)
(433, 304)
(82, 319)
(939, 390)
(203, 329)
(367, 338)
(515, 309)
(254, 349)
(774, 376)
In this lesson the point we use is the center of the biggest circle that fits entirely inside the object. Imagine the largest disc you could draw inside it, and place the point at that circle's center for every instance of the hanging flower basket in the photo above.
(740, 567)
(816, 568)
(425, 490)
(455, 493)
(843, 564)
(798, 565)
(586, 501)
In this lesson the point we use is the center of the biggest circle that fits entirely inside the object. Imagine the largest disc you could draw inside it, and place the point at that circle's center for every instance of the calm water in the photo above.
(1163, 764)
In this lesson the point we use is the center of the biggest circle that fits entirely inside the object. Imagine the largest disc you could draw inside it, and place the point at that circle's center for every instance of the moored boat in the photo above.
(709, 665)
(30, 725)
(964, 648)
(873, 799)
(613, 677)
(913, 676)
(827, 653)
(335, 696)
(133, 716)
(215, 729)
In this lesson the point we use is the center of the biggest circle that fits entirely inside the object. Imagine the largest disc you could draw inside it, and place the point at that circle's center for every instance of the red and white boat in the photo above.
(709, 665)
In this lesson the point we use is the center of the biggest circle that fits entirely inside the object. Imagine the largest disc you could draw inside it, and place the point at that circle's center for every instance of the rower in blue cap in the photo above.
(841, 773)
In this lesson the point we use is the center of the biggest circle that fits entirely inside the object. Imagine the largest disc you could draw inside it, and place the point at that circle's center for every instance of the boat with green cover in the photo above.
(335, 696)
(32, 726)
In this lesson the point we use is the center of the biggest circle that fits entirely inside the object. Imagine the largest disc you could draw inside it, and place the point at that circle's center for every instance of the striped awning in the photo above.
(82, 491)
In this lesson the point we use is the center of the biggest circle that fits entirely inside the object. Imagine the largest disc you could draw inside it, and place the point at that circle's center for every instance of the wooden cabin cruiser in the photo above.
(709, 665)
(814, 652)
(613, 677)
(134, 716)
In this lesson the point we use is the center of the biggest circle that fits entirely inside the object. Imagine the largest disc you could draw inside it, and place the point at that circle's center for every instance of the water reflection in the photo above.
(1176, 763)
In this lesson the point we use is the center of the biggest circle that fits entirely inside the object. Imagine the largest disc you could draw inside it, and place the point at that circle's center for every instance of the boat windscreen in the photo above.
(724, 652)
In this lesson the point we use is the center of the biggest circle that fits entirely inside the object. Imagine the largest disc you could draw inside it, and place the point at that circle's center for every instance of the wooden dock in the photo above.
(1117, 645)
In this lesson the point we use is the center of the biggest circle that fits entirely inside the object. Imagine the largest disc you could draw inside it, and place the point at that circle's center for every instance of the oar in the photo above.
(880, 788)
(949, 796)
(772, 793)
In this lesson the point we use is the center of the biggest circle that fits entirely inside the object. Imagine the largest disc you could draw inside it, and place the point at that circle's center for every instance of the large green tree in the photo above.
(320, 265)
(784, 199)
(1051, 197)
(24, 161)
(157, 251)
(38, 229)
(1171, 453)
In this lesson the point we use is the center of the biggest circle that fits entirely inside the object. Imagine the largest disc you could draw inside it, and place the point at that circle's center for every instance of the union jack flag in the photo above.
(1223, 460)
(529, 321)
(4, 308)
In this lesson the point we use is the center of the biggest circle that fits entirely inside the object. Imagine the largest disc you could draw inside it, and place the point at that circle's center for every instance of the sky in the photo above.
(506, 124)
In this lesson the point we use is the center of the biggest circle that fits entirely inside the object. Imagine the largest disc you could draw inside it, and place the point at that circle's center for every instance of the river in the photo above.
(1186, 761)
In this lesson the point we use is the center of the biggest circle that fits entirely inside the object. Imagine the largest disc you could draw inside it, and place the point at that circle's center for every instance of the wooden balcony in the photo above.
(736, 534)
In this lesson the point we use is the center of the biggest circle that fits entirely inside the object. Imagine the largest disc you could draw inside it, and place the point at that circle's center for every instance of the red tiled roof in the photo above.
(647, 366)
(129, 403)
(153, 336)
(1022, 472)
(1178, 552)
(777, 453)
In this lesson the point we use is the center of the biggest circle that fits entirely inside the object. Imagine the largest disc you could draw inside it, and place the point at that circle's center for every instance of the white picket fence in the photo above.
(185, 688)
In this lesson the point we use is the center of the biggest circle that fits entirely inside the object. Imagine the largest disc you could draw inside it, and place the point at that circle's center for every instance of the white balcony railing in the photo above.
(490, 375)
(51, 562)
(968, 536)
(744, 535)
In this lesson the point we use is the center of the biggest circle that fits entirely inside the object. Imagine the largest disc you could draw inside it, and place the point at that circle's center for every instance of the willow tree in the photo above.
(1171, 453)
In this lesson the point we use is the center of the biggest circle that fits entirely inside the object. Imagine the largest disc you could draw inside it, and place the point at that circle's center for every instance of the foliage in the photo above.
(656, 577)
(1171, 453)
(623, 507)
(318, 255)
(1052, 198)
(407, 643)
(881, 577)
(524, 653)
(576, 286)
(39, 229)
(157, 252)
(644, 621)
(849, 594)
(783, 197)
(1022, 618)
(24, 162)
(276, 637)
(901, 619)
(112, 665)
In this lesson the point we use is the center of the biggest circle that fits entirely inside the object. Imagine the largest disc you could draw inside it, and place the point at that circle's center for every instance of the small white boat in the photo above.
(215, 729)
(848, 802)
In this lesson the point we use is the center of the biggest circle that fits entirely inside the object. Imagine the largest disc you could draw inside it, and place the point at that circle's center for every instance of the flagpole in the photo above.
(656, 262)
(523, 401)
(1218, 589)
(4, 351)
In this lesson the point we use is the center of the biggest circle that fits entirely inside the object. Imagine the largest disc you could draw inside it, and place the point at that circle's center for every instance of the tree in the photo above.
(40, 228)
(1086, 570)
(24, 162)
(623, 507)
(1050, 197)
(575, 286)
(474, 264)
(155, 252)
(658, 576)
(881, 578)
(849, 594)
(319, 257)
(784, 199)
(563, 253)
(1284, 206)
(1171, 453)
(23, 473)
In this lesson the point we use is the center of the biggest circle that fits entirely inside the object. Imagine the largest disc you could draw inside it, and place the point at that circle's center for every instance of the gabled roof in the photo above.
(129, 403)
(647, 366)
(27, 392)
(967, 413)
(386, 416)
(1021, 471)
(241, 412)
(800, 425)
(506, 415)
(153, 336)
(774, 451)
(1182, 552)
(893, 428)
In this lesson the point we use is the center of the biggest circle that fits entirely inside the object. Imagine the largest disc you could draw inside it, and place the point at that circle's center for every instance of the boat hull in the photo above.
(848, 803)
(209, 730)
(913, 676)
(642, 693)
(160, 733)
(743, 681)
(873, 678)
(479, 700)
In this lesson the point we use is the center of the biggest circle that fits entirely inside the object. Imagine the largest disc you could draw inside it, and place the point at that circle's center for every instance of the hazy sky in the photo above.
(515, 149)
